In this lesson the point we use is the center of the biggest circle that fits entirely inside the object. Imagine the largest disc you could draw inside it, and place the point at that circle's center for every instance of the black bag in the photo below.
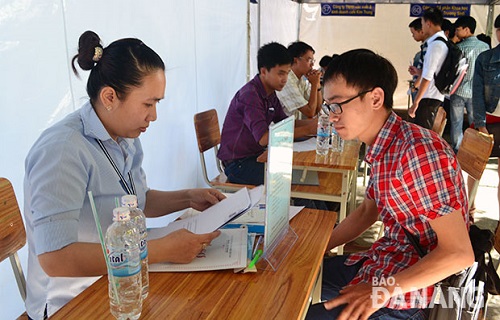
(451, 70)
(467, 290)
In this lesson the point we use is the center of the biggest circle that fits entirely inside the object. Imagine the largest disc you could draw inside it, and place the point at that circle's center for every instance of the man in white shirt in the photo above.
(303, 90)
(429, 98)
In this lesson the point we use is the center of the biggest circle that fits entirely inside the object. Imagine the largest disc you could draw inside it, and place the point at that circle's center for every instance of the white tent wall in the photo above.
(387, 34)
(272, 20)
(203, 44)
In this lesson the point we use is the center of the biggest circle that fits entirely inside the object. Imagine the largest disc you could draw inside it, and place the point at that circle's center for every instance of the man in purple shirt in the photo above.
(255, 106)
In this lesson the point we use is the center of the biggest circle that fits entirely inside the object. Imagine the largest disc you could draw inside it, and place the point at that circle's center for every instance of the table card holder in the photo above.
(279, 237)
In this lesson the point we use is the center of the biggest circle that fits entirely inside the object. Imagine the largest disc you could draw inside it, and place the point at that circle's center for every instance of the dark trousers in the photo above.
(337, 275)
(245, 171)
(426, 112)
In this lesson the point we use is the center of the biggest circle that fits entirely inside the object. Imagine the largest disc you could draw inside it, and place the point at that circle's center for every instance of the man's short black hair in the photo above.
(497, 21)
(433, 15)
(448, 26)
(416, 24)
(325, 61)
(365, 70)
(298, 48)
(466, 22)
(271, 55)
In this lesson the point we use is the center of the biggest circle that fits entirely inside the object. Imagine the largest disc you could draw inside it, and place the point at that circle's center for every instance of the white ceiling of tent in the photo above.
(485, 2)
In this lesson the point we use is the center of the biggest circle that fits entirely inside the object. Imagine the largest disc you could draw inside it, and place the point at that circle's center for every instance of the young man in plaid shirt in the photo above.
(415, 183)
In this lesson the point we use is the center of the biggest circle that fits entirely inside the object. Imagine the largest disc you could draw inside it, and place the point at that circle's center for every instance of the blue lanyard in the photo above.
(123, 183)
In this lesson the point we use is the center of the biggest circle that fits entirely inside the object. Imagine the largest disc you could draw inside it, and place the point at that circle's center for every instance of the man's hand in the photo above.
(360, 301)
(413, 110)
(483, 130)
(201, 199)
(414, 71)
(314, 77)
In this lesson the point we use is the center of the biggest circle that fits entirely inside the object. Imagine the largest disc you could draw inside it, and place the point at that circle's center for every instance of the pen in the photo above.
(257, 243)
(255, 259)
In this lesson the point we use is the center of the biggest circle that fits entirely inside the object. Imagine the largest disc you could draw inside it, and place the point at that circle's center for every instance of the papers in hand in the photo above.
(227, 251)
(214, 217)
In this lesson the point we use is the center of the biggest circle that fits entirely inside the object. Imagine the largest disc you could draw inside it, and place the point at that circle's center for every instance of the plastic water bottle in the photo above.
(323, 134)
(122, 246)
(337, 141)
(139, 219)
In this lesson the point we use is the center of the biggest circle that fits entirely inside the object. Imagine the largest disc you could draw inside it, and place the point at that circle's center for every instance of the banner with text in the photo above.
(348, 9)
(449, 10)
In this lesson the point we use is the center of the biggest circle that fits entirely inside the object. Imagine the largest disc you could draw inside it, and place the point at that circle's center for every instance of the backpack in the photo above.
(453, 69)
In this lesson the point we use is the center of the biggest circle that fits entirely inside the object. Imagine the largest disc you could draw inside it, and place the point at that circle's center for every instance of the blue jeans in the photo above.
(245, 171)
(336, 275)
(457, 106)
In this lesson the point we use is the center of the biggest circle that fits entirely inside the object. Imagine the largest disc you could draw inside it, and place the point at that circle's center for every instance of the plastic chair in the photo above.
(473, 155)
(207, 129)
(439, 121)
(12, 234)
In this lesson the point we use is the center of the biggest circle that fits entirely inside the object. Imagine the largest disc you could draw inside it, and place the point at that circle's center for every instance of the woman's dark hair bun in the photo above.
(87, 43)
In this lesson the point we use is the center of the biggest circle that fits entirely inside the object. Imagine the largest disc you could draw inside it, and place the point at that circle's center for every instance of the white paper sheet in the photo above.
(227, 251)
(306, 145)
(214, 217)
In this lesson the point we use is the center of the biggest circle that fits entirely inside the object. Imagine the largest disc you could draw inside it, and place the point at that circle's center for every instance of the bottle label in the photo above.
(121, 263)
(143, 246)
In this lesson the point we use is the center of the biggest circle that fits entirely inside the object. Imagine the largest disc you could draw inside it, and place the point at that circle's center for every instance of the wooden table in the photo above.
(337, 173)
(283, 294)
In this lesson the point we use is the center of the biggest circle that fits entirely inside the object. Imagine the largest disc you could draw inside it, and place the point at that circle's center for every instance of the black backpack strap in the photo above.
(441, 39)
(415, 242)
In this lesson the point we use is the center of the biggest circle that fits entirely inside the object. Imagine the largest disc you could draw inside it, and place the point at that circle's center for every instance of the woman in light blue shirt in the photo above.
(96, 148)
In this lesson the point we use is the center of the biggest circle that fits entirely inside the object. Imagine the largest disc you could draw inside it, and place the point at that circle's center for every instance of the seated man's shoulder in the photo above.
(424, 140)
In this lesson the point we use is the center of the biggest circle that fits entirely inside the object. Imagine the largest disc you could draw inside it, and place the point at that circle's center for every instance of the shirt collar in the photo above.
(495, 57)
(435, 35)
(384, 138)
(260, 88)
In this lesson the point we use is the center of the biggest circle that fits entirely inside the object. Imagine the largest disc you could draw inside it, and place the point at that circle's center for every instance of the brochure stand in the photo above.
(279, 238)
(273, 256)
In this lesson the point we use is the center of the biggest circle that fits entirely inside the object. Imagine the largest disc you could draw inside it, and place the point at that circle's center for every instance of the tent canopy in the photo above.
(483, 2)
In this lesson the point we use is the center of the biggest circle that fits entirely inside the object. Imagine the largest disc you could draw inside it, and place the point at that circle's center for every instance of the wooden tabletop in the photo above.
(345, 160)
(281, 294)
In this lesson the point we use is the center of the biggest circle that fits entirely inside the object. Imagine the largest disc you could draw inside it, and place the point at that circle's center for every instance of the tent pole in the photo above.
(249, 35)
(298, 22)
(489, 20)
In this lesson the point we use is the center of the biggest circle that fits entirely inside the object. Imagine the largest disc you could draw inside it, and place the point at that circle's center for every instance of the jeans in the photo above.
(457, 105)
(426, 112)
(336, 275)
(245, 171)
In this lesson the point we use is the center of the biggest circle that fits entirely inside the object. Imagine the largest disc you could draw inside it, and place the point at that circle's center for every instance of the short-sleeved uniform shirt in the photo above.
(414, 178)
(248, 118)
(62, 166)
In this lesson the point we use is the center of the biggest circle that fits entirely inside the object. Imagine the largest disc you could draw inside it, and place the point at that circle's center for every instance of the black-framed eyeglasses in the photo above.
(336, 108)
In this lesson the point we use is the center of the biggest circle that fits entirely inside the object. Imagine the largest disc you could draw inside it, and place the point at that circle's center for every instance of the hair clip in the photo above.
(97, 54)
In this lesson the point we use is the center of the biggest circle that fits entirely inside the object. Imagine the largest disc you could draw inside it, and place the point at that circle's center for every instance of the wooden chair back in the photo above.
(207, 129)
(473, 155)
(12, 232)
(439, 121)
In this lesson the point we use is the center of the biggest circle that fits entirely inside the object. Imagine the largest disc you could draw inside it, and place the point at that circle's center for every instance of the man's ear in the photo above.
(378, 96)
(263, 71)
(108, 97)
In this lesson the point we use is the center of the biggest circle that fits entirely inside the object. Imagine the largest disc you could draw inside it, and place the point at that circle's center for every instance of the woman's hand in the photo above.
(180, 246)
(201, 199)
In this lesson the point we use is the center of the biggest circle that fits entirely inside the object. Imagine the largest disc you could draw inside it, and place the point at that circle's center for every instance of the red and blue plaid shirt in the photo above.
(414, 178)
